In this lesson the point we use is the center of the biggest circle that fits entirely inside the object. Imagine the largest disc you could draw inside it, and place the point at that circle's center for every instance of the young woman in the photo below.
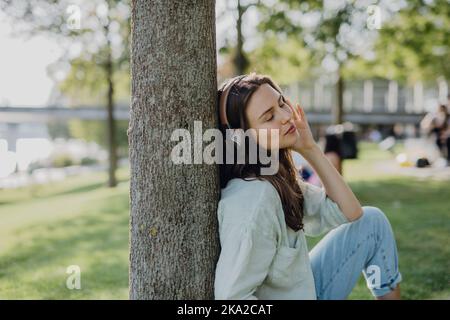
(263, 219)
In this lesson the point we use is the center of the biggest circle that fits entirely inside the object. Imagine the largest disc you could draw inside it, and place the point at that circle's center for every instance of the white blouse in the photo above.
(261, 257)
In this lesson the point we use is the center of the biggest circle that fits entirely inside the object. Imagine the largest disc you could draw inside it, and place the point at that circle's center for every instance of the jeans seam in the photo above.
(333, 276)
(390, 278)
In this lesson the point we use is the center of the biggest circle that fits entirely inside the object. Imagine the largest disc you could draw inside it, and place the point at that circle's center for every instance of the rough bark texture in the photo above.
(174, 242)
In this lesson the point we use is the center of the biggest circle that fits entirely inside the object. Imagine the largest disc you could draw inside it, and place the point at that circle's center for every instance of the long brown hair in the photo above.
(285, 181)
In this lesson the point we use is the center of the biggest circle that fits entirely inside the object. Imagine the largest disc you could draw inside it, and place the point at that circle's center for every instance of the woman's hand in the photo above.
(335, 186)
(305, 141)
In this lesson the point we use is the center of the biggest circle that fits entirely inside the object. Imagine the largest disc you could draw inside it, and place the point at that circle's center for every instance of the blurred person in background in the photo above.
(333, 148)
(437, 124)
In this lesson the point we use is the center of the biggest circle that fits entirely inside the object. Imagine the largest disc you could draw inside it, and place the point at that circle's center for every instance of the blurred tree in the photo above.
(93, 130)
(95, 31)
(285, 60)
(239, 58)
(86, 85)
(335, 32)
(415, 43)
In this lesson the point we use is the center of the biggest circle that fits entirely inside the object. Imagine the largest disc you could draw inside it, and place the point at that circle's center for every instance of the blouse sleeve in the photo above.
(246, 255)
(321, 214)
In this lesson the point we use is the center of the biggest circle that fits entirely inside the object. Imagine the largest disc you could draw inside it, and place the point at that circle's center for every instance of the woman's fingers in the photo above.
(299, 111)
(302, 113)
(299, 114)
(296, 116)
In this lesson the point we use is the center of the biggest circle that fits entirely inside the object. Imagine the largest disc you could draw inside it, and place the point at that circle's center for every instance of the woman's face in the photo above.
(267, 110)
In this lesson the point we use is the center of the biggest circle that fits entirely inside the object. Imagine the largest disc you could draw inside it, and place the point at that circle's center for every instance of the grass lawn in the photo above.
(79, 221)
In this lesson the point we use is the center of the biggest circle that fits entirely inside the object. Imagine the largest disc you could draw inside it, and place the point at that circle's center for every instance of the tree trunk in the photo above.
(174, 243)
(111, 124)
(338, 110)
(240, 60)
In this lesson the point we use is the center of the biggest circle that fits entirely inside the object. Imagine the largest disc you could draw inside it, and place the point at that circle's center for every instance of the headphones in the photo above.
(234, 134)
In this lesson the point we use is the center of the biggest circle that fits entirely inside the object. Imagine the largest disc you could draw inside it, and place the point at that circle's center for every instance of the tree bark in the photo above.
(174, 243)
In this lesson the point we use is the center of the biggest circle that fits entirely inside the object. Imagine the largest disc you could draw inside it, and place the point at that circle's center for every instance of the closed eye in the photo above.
(283, 104)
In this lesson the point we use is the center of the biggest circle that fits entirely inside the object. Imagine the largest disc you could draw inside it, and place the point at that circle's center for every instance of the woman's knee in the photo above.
(374, 215)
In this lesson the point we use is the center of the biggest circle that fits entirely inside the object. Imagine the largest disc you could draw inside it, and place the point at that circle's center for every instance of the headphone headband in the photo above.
(224, 98)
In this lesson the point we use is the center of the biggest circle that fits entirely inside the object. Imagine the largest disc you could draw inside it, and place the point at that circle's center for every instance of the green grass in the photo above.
(44, 230)
(80, 221)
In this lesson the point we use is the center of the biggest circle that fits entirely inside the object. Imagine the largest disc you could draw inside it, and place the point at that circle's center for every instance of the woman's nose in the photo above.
(286, 115)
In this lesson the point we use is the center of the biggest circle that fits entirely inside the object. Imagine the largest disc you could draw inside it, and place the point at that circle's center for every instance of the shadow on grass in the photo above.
(36, 193)
(86, 188)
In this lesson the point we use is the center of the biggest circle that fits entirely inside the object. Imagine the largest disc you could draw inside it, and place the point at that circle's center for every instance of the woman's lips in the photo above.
(291, 130)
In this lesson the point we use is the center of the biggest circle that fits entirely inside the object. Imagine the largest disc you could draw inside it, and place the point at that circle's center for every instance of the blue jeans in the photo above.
(366, 245)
